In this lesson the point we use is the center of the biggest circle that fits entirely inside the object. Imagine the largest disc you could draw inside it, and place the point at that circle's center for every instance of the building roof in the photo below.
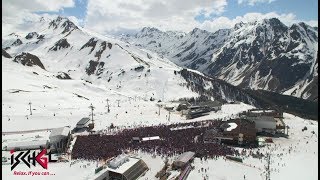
(262, 110)
(195, 107)
(26, 144)
(261, 118)
(125, 166)
(63, 131)
(136, 170)
(210, 103)
(100, 175)
(118, 161)
(185, 157)
(150, 138)
(131, 169)
(83, 121)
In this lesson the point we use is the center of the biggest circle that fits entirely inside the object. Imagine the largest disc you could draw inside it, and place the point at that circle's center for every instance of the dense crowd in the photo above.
(174, 139)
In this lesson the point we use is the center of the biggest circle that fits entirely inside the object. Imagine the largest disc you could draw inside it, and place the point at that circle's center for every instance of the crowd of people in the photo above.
(171, 142)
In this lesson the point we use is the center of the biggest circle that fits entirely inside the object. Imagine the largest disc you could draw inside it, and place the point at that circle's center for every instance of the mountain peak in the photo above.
(304, 25)
(178, 34)
(301, 25)
(42, 19)
(198, 31)
(65, 23)
(274, 22)
(150, 29)
(239, 25)
(60, 18)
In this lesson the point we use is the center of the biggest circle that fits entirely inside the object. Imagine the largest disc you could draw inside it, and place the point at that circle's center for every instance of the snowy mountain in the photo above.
(60, 57)
(55, 69)
(263, 54)
(56, 60)
(61, 49)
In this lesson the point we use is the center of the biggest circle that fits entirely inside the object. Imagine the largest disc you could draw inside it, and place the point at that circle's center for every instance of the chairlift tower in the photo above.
(268, 167)
(159, 106)
(30, 108)
(92, 108)
(108, 105)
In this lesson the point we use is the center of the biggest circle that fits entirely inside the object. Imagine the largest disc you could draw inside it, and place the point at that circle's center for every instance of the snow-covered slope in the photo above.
(67, 53)
(63, 48)
(263, 54)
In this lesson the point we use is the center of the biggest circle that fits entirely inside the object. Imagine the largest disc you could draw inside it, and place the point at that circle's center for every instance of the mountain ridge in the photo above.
(95, 65)
(256, 54)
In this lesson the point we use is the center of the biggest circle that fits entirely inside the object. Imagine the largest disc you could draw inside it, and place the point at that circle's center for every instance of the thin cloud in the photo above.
(225, 22)
(253, 2)
(118, 16)
(108, 15)
(18, 12)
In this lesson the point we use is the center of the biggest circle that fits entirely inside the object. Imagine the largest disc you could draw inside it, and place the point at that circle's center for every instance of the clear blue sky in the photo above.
(79, 10)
